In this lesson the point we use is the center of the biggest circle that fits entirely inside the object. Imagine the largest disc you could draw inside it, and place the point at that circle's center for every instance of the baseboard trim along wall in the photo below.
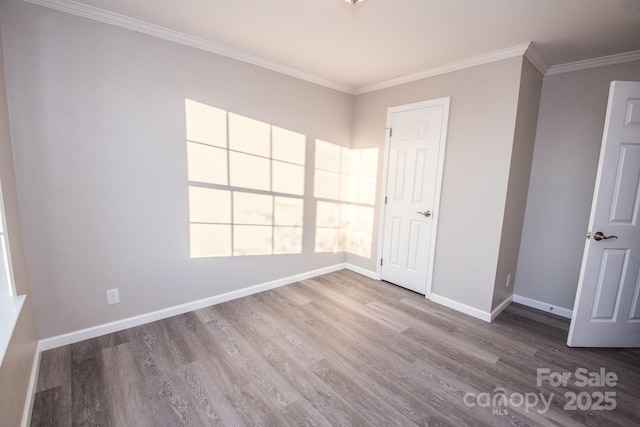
(31, 390)
(472, 311)
(463, 308)
(362, 271)
(489, 317)
(504, 304)
(550, 308)
(96, 331)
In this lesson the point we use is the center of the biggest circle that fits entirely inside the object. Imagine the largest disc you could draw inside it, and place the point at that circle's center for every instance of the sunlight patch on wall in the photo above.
(246, 182)
(346, 180)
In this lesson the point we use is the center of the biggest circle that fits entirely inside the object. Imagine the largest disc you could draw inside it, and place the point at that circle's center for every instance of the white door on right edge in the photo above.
(410, 212)
(607, 308)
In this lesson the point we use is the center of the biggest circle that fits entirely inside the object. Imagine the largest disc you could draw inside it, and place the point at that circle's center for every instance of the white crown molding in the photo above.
(527, 50)
(603, 61)
(101, 15)
(122, 21)
(486, 58)
(535, 57)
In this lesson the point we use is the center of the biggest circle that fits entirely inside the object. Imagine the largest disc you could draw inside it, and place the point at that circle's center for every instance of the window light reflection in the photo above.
(246, 182)
(345, 184)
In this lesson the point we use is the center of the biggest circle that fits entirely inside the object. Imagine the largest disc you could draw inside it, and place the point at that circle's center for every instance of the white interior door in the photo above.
(607, 308)
(415, 159)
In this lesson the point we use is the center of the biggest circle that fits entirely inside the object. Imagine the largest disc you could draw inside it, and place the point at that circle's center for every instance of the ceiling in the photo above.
(379, 40)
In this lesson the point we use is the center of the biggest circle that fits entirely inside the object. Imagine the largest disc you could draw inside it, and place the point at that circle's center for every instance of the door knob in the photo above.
(425, 213)
(600, 236)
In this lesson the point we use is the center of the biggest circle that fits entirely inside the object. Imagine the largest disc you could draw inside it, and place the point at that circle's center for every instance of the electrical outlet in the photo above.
(508, 280)
(113, 297)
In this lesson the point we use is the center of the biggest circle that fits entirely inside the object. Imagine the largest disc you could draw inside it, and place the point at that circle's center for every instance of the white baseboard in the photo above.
(472, 311)
(504, 304)
(362, 271)
(76, 336)
(31, 391)
(489, 317)
(554, 309)
(463, 308)
(96, 331)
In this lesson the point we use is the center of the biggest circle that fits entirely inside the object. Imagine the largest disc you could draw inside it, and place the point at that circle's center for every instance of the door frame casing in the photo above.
(445, 103)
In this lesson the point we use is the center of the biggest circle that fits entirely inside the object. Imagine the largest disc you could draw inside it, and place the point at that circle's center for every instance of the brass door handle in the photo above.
(425, 213)
(599, 236)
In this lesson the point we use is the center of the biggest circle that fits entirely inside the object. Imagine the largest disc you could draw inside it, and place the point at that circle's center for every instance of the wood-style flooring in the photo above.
(337, 350)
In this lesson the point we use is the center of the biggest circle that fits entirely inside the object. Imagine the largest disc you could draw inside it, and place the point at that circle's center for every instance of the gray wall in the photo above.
(569, 134)
(484, 102)
(18, 361)
(519, 173)
(99, 138)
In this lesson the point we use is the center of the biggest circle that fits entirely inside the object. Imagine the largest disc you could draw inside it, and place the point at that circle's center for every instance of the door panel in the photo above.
(421, 170)
(607, 300)
(415, 232)
(634, 313)
(400, 172)
(606, 309)
(624, 208)
(413, 175)
(396, 237)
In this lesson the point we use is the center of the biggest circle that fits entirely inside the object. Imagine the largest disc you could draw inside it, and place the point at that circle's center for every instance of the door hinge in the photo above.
(385, 200)
(381, 260)
(390, 131)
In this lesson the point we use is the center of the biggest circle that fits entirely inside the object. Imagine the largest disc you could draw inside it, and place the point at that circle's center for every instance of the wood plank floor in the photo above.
(337, 350)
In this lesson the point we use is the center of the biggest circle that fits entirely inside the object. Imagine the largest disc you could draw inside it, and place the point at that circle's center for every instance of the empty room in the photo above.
(319, 213)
